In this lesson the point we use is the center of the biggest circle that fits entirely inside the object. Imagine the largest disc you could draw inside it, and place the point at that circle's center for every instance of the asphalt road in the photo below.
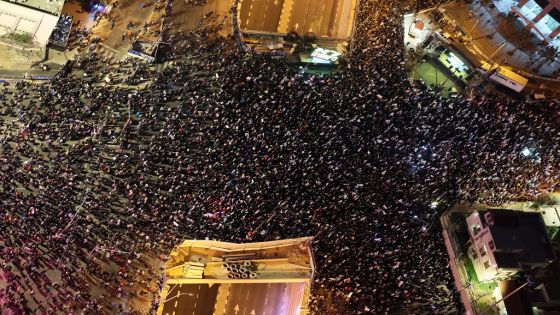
(322, 17)
(261, 298)
(260, 15)
(195, 299)
(125, 13)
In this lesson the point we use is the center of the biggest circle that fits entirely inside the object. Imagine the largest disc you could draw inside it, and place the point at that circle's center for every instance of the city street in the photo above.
(115, 161)
(111, 34)
(261, 15)
(329, 18)
(192, 299)
(264, 298)
(241, 299)
(185, 17)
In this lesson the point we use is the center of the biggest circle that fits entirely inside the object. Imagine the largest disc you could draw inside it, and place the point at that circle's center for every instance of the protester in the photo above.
(99, 180)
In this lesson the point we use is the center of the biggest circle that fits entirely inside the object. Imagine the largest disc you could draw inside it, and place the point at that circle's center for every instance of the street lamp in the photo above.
(178, 295)
(526, 152)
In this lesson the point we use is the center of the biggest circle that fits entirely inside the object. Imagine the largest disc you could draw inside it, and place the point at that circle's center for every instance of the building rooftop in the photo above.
(551, 215)
(53, 7)
(519, 237)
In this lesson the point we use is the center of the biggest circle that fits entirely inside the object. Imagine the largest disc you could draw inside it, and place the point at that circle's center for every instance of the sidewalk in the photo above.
(12, 58)
(15, 63)
(20, 74)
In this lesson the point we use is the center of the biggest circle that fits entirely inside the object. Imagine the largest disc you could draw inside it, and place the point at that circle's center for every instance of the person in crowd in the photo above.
(100, 181)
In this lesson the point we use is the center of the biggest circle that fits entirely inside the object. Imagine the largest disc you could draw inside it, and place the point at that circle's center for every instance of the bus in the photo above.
(505, 77)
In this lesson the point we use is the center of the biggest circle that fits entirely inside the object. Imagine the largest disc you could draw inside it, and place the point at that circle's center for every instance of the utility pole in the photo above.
(472, 28)
(496, 51)
(178, 295)
(436, 69)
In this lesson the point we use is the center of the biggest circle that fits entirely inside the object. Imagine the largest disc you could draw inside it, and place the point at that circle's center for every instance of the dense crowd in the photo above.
(195, 2)
(100, 181)
(61, 32)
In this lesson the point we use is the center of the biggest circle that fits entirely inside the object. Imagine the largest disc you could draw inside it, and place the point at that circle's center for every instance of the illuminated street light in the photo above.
(526, 152)
(531, 153)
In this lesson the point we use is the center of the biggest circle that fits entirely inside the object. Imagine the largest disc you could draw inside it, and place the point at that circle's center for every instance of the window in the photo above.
(482, 251)
(531, 9)
(487, 264)
(476, 229)
(536, 9)
(491, 245)
(552, 24)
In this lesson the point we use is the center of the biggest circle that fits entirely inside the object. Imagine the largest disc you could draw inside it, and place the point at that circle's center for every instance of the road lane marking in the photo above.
(322, 16)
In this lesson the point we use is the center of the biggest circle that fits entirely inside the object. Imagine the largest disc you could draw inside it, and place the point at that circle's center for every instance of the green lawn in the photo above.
(480, 286)
(470, 271)
(486, 287)
(433, 76)
(486, 305)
